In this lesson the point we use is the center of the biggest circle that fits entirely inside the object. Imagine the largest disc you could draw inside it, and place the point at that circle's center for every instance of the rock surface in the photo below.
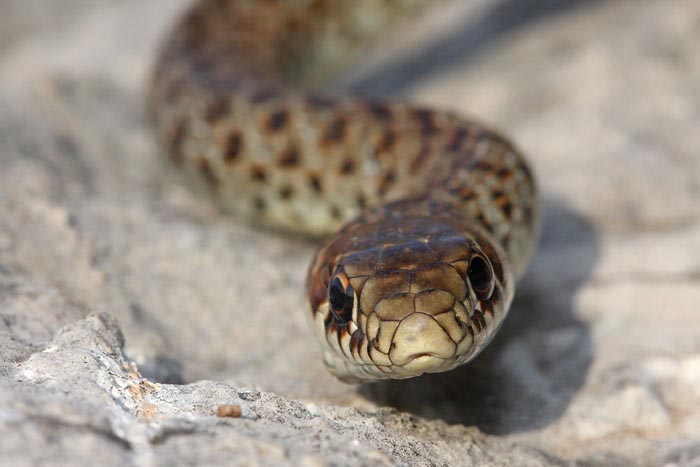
(598, 364)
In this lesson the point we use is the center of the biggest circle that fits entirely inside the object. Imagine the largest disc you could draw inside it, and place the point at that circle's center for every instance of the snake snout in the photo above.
(409, 307)
(421, 344)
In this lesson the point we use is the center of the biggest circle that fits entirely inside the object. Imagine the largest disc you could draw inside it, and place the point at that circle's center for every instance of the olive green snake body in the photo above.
(429, 219)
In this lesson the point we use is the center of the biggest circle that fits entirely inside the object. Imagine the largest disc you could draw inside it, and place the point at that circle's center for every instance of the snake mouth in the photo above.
(425, 362)
(420, 355)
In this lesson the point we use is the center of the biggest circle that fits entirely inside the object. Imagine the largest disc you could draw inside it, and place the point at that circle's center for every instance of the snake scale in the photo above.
(428, 219)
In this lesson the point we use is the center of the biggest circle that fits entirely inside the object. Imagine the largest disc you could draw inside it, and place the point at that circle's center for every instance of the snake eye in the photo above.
(480, 277)
(341, 298)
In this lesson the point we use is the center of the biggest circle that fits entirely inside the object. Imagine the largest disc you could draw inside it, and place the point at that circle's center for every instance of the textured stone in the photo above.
(599, 362)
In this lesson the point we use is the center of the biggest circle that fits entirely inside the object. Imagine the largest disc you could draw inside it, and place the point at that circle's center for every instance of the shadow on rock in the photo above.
(527, 376)
(467, 41)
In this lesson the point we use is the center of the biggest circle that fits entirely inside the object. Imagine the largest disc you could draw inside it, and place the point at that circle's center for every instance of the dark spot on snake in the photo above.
(386, 142)
(335, 212)
(277, 120)
(361, 201)
(315, 183)
(286, 192)
(504, 172)
(480, 277)
(207, 173)
(483, 134)
(426, 120)
(178, 136)
(457, 140)
(380, 111)
(348, 167)
(216, 109)
(498, 196)
(506, 207)
(467, 194)
(420, 159)
(320, 102)
(263, 95)
(258, 173)
(483, 166)
(259, 204)
(335, 131)
(386, 181)
(289, 157)
(233, 146)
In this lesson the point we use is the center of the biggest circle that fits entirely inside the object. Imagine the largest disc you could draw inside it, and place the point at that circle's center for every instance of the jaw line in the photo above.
(426, 362)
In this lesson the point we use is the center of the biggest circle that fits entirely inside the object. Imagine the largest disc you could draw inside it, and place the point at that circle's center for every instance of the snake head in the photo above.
(399, 298)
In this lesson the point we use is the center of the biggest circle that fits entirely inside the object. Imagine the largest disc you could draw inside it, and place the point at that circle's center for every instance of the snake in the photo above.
(426, 219)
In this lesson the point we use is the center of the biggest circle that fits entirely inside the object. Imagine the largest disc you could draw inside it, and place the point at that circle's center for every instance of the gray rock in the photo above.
(82, 399)
(599, 363)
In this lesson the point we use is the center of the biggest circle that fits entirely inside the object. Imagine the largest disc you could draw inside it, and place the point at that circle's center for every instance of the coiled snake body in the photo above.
(435, 217)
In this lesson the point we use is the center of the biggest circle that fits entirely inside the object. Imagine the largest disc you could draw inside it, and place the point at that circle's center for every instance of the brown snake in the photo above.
(435, 216)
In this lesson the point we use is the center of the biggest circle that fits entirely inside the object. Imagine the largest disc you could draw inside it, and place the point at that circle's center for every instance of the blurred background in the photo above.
(600, 358)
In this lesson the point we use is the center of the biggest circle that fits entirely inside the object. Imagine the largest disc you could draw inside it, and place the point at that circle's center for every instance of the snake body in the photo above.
(429, 219)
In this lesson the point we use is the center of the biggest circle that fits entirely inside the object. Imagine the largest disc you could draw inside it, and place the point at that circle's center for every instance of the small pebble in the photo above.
(228, 410)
